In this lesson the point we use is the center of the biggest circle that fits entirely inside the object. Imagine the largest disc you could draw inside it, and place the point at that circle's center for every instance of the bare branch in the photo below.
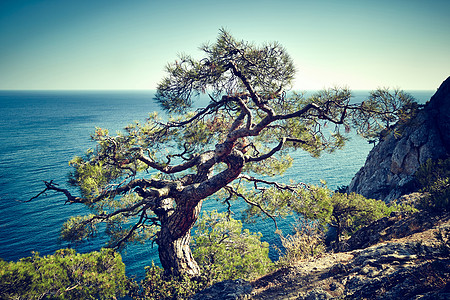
(234, 192)
(131, 231)
(247, 112)
(256, 99)
(274, 150)
(136, 183)
(298, 113)
(277, 185)
(237, 122)
(172, 169)
(50, 186)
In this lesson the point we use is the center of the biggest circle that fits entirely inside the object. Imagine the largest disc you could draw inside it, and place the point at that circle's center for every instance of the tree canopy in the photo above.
(149, 182)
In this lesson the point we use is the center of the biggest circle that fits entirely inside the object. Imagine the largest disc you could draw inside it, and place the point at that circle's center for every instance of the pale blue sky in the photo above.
(109, 44)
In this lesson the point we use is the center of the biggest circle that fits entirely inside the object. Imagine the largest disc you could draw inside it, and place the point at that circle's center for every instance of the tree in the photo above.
(399, 107)
(151, 180)
(223, 251)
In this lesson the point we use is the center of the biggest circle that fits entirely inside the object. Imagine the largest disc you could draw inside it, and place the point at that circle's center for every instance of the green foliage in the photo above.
(306, 242)
(75, 229)
(345, 212)
(91, 177)
(314, 132)
(270, 167)
(64, 275)
(224, 251)
(156, 285)
(268, 201)
(433, 178)
(267, 68)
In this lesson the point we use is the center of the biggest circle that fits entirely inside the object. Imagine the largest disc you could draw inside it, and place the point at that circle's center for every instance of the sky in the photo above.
(125, 45)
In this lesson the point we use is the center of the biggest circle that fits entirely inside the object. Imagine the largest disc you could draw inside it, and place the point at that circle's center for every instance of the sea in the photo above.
(40, 131)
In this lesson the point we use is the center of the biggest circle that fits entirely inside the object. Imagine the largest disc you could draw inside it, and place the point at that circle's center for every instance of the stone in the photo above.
(238, 289)
(317, 294)
(412, 267)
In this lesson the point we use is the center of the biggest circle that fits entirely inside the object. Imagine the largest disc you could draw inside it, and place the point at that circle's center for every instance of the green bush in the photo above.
(158, 286)
(224, 251)
(433, 178)
(64, 275)
(347, 213)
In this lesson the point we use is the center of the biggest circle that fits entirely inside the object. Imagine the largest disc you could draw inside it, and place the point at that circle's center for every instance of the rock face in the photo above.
(390, 166)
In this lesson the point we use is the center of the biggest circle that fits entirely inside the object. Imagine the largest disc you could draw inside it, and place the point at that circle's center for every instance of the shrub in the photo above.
(345, 212)
(224, 251)
(64, 275)
(433, 178)
(158, 286)
(306, 242)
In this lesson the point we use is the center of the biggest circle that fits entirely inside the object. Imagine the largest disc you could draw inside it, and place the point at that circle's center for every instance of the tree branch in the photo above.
(247, 112)
(172, 169)
(206, 110)
(49, 185)
(256, 99)
(198, 191)
(274, 150)
(233, 191)
(277, 185)
(131, 231)
(141, 183)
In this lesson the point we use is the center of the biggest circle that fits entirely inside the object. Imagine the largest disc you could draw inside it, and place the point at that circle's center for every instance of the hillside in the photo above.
(410, 261)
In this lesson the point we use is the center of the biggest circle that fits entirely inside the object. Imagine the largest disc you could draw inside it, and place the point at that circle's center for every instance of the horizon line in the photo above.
(152, 90)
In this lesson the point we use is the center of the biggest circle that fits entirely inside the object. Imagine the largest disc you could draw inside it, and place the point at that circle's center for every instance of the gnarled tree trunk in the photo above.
(175, 236)
(177, 220)
(175, 254)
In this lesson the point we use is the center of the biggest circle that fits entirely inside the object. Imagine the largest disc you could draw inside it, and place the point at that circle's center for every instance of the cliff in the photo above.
(390, 166)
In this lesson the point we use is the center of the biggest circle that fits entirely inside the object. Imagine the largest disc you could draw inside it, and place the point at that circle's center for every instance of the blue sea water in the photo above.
(40, 131)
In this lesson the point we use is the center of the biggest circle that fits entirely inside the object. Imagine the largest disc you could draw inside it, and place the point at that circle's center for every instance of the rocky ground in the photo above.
(405, 256)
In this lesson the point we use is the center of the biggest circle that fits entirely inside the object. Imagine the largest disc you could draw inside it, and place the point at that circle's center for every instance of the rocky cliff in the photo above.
(390, 166)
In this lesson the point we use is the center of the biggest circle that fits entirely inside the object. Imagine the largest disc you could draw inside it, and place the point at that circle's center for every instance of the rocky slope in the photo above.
(404, 256)
(408, 260)
(389, 168)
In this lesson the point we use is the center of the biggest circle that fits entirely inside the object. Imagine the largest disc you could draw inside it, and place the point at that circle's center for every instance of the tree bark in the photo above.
(175, 254)
(175, 236)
